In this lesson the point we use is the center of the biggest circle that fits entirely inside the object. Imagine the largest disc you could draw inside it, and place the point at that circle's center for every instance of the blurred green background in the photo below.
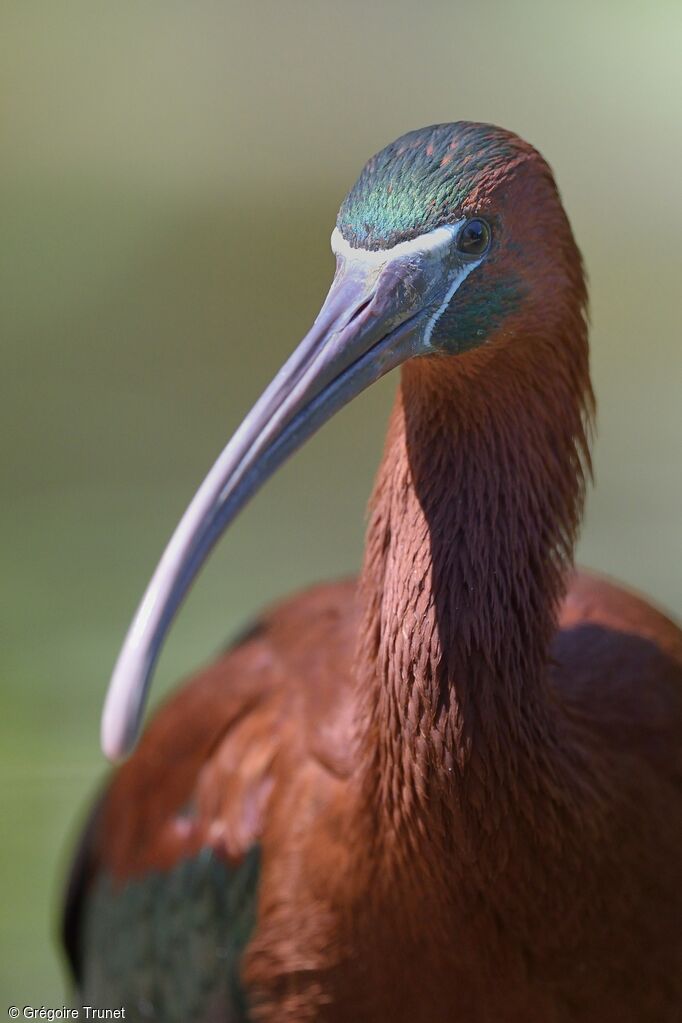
(169, 180)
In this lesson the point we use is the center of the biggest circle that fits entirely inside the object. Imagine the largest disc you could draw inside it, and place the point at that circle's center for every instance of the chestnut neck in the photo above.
(472, 526)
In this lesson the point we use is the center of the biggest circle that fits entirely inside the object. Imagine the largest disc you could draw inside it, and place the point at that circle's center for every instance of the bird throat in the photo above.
(471, 532)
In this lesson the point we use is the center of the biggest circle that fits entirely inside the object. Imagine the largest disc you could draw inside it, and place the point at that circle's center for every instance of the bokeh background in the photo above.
(169, 179)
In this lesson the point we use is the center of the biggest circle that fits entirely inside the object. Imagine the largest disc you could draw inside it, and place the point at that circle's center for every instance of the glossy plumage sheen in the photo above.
(449, 790)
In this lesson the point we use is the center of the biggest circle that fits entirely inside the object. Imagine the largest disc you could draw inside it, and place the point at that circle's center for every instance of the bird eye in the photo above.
(474, 238)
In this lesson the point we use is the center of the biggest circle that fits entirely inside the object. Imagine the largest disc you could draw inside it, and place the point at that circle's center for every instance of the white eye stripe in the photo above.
(432, 243)
(460, 277)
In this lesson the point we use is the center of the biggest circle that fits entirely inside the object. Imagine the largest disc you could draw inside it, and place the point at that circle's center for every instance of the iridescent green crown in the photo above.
(421, 180)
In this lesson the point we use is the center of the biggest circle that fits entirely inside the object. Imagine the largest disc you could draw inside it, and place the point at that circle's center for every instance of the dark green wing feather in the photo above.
(168, 946)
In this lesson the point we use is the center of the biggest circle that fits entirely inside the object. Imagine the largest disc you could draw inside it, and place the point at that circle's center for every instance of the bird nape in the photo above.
(449, 790)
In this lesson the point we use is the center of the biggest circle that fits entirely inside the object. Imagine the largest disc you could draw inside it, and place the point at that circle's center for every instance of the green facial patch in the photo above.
(477, 309)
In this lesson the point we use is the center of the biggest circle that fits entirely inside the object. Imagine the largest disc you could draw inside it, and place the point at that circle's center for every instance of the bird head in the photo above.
(451, 239)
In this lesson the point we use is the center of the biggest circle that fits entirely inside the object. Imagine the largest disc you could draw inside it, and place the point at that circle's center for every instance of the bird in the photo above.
(448, 789)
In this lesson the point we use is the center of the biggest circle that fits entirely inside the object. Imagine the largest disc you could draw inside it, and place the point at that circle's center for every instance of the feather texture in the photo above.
(462, 774)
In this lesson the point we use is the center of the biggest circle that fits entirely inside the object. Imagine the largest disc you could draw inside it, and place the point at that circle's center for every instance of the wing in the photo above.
(163, 892)
(618, 664)
(595, 600)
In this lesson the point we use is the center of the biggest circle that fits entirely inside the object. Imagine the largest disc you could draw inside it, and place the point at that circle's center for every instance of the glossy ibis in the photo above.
(450, 790)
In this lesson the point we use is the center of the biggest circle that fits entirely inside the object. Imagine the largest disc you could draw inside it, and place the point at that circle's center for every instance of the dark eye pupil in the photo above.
(474, 237)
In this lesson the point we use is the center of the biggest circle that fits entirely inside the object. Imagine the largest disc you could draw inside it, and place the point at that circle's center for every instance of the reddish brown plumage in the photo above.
(464, 772)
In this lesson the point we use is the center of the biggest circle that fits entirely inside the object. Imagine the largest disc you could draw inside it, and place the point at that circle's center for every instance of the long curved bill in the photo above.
(365, 328)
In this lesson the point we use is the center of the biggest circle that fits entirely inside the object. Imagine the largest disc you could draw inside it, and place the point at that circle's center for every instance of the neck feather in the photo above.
(472, 527)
